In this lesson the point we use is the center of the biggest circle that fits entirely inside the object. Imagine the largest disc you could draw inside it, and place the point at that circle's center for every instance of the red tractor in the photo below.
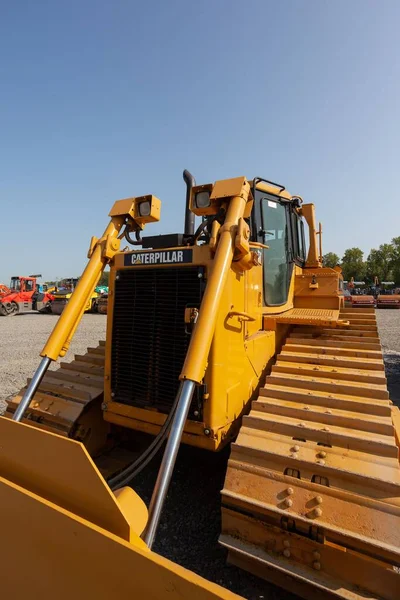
(25, 294)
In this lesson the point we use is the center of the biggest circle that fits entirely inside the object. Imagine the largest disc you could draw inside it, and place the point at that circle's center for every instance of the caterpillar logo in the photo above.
(158, 258)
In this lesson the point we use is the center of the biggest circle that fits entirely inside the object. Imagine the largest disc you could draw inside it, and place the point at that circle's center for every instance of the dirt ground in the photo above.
(191, 520)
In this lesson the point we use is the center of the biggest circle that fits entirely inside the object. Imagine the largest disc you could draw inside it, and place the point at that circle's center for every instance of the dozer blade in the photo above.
(64, 534)
(68, 400)
(311, 499)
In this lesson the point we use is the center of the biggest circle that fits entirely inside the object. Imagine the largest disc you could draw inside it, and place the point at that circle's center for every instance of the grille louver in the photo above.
(149, 341)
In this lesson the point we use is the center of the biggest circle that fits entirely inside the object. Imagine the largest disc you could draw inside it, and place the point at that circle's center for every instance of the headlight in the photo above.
(202, 199)
(144, 209)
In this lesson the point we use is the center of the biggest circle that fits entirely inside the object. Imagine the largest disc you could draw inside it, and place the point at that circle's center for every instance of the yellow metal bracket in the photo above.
(109, 246)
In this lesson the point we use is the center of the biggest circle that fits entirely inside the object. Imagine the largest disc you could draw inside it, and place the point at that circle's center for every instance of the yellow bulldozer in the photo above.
(63, 294)
(230, 333)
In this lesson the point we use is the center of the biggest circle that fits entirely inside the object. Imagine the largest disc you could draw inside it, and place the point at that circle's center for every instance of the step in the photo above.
(359, 314)
(328, 385)
(68, 390)
(336, 336)
(334, 343)
(82, 367)
(362, 320)
(98, 350)
(320, 414)
(331, 350)
(240, 537)
(363, 441)
(71, 375)
(342, 373)
(306, 397)
(339, 361)
(351, 310)
(346, 469)
(372, 327)
(336, 332)
(95, 359)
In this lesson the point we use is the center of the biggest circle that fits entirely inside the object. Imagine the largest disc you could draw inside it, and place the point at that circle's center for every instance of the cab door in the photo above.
(27, 289)
(277, 224)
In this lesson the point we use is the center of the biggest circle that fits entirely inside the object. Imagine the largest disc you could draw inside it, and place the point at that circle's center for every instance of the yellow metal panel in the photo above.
(124, 207)
(61, 470)
(49, 552)
(228, 188)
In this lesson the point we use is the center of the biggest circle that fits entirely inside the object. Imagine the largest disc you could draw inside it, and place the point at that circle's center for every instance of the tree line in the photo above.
(383, 263)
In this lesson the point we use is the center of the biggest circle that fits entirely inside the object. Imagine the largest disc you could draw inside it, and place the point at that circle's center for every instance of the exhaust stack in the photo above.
(189, 216)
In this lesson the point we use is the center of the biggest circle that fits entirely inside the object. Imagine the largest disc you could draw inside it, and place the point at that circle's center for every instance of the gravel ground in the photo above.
(22, 338)
(189, 529)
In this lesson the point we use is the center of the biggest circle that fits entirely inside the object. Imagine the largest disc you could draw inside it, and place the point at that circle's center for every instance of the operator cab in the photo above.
(276, 223)
(15, 285)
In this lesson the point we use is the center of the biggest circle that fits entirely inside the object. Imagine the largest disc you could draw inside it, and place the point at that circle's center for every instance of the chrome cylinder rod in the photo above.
(168, 461)
(31, 389)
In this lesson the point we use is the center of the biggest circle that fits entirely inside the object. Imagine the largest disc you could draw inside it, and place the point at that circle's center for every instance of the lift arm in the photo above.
(124, 212)
(235, 194)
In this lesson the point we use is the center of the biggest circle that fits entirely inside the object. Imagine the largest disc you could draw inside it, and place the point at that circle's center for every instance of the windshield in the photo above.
(15, 284)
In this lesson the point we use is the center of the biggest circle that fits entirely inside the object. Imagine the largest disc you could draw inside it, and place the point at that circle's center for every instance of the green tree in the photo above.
(395, 260)
(104, 278)
(353, 264)
(380, 262)
(330, 260)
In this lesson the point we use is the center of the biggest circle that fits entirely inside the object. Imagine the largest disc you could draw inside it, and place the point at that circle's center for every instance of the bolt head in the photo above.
(318, 500)
(318, 512)
(316, 555)
(317, 566)
(290, 491)
(286, 544)
(207, 432)
(322, 454)
(293, 455)
(288, 502)
(296, 448)
(286, 553)
(321, 462)
(196, 413)
(112, 394)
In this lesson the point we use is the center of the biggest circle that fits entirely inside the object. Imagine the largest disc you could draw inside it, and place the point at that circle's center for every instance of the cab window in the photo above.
(298, 238)
(276, 258)
(301, 238)
(15, 285)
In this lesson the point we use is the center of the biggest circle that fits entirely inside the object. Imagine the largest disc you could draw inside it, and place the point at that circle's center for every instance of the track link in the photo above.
(312, 494)
(67, 399)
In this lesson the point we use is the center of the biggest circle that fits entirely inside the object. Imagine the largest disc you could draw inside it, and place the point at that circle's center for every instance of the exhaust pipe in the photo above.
(189, 216)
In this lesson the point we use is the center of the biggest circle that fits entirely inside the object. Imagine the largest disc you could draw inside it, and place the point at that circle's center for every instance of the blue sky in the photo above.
(104, 100)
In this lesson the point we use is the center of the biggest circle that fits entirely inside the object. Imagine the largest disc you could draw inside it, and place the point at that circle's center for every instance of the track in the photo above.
(317, 457)
(68, 397)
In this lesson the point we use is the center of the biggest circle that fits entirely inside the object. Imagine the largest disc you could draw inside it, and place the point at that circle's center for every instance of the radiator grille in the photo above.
(149, 341)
